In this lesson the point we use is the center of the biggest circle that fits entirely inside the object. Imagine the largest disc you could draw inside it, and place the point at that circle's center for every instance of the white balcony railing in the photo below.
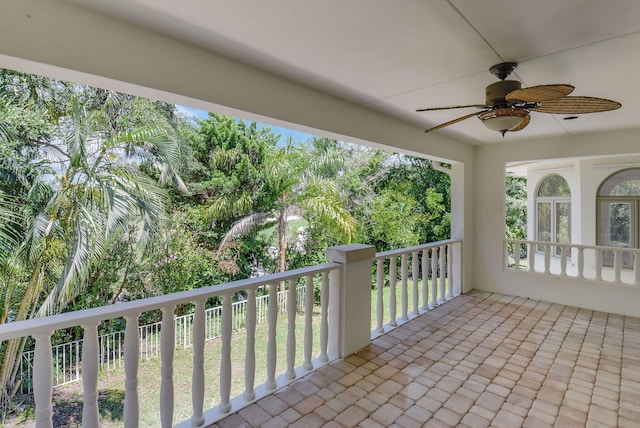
(615, 265)
(430, 274)
(67, 355)
(344, 327)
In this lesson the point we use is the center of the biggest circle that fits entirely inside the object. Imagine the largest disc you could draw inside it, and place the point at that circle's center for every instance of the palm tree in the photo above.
(71, 216)
(291, 174)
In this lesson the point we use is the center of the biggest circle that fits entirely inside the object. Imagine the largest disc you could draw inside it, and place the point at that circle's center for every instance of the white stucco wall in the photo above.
(489, 216)
(584, 176)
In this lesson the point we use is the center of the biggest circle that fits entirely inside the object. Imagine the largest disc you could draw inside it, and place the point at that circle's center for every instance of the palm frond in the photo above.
(230, 206)
(86, 247)
(10, 225)
(154, 146)
(324, 206)
(242, 227)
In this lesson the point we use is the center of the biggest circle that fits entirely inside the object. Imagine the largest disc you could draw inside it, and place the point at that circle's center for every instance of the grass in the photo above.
(270, 234)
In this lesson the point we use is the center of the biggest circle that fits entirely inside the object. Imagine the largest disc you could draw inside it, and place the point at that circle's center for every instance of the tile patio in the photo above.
(479, 360)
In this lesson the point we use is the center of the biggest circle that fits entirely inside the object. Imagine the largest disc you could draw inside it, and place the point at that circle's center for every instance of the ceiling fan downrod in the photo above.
(503, 70)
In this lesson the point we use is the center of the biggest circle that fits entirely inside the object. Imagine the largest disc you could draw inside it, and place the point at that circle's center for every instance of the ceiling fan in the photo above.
(507, 105)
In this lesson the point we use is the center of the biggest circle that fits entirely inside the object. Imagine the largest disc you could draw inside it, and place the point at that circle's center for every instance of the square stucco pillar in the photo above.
(350, 299)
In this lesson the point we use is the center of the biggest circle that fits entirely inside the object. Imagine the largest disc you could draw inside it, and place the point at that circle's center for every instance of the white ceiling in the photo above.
(396, 56)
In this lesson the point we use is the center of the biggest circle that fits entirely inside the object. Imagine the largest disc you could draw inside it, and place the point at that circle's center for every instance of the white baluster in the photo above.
(43, 380)
(617, 265)
(197, 377)
(516, 254)
(563, 260)
(167, 347)
(532, 256)
(547, 258)
(393, 278)
(78, 359)
(380, 291)
(580, 262)
(449, 271)
(434, 277)
(308, 323)
(324, 317)
(90, 367)
(291, 330)
(131, 361)
(442, 255)
(405, 292)
(425, 279)
(271, 340)
(225, 354)
(415, 272)
(598, 264)
(250, 347)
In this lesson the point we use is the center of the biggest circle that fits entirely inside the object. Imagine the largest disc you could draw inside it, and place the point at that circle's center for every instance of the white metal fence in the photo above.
(67, 356)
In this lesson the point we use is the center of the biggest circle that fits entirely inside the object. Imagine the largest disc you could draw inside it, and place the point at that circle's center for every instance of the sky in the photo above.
(284, 133)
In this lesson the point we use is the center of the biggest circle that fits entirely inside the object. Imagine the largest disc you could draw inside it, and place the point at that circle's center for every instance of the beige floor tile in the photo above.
(352, 416)
(387, 414)
(481, 359)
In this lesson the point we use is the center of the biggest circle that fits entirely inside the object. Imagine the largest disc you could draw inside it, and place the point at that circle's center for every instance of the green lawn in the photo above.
(270, 234)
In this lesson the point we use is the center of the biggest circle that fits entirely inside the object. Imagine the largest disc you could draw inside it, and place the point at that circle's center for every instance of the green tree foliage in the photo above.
(74, 189)
(516, 207)
(291, 178)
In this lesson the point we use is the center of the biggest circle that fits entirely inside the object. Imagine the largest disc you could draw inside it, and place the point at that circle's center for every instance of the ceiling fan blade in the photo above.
(539, 93)
(524, 123)
(451, 107)
(577, 105)
(451, 122)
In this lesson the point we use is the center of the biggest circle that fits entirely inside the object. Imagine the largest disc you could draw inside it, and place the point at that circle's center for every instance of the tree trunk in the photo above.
(14, 347)
(282, 239)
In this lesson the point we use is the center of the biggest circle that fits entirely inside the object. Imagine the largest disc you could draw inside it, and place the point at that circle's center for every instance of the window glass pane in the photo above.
(554, 185)
(624, 183)
(615, 224)
(563, 222)
(544, 221)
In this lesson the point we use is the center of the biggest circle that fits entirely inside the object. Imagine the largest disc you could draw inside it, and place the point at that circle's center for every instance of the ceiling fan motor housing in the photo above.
(496, 92)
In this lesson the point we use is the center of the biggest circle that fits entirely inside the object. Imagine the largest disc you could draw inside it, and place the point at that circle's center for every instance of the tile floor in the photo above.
(479, 360)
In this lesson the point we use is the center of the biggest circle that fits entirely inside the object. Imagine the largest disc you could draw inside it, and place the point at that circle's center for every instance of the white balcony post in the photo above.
(415, 273)
(90, 368)
(425, 279)
(250, 347)
(350, 299)
(167, 349)
(324, 318)
(131, 362)
(225, 354)
(197, 379)
(43, 381)
(380, 293)
(580, 262)
(405, 285)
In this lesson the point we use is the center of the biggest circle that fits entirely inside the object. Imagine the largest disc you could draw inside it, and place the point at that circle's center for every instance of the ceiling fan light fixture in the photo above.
(504, 119)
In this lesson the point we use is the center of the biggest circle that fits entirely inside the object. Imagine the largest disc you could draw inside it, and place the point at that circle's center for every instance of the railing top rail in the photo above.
(88, 317)
(407, 250)
(568, 244)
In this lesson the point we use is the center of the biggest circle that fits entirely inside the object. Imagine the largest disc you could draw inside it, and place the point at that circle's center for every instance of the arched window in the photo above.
(553, 211)
(618, 207)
